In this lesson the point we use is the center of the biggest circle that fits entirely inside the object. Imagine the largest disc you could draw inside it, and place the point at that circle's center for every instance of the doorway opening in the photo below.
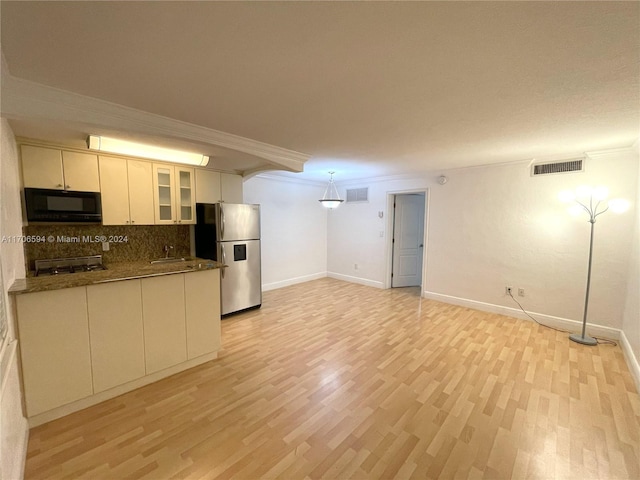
(407, 240)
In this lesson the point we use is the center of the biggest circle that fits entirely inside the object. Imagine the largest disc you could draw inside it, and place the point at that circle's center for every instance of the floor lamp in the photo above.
(594, 202)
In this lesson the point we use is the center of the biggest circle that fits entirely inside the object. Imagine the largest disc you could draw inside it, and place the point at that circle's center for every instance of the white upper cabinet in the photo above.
(80, 171)
(140, 176)
(174, 194)
(207, 186)
(114, 191)
(214, 187)
(42, 167)
(163, 194)
(127, 191)
(185, 195)
(231, 188)
(60, 170)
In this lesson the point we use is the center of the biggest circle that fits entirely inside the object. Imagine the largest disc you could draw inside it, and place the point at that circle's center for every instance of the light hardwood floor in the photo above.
(336, 380)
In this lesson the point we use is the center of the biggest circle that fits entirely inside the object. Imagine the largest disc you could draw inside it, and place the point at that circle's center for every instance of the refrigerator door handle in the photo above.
(224, 260)
(221, 223)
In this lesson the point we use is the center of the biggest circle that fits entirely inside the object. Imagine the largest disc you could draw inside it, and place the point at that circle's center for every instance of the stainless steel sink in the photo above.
(168, 260)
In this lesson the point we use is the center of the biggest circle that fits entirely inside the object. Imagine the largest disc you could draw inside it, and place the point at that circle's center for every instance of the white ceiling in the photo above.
(364, 88)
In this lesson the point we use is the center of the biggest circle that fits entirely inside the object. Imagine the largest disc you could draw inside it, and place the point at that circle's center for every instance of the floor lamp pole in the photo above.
(584, 338)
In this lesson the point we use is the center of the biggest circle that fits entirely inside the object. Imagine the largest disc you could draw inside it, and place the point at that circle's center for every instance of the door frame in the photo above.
(389, 243)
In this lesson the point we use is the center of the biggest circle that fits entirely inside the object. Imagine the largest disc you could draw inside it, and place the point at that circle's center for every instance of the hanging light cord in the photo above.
(601, 341)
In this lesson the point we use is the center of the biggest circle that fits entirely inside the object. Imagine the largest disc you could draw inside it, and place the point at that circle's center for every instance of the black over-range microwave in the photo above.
(45, 205)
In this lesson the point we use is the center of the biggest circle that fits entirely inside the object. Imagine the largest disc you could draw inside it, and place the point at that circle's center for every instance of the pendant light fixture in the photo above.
(331, 199)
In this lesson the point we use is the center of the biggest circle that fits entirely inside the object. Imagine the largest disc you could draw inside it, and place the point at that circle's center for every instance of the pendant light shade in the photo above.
(331, 199)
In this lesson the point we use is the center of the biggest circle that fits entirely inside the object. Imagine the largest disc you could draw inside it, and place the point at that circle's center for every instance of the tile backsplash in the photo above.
(139, 242)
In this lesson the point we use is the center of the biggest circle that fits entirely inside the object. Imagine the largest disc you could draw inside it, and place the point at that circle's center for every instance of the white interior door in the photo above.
(408, 239)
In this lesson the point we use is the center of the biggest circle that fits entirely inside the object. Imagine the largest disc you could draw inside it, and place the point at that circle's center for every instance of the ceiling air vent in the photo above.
(566, 166)
(357, 195)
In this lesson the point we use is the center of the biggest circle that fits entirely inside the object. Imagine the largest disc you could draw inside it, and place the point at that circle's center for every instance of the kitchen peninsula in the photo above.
(88, 337)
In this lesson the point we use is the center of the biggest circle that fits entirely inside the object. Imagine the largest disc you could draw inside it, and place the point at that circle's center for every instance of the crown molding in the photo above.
(427, 174)
(288, 179)
(23, 99)
(596, 154)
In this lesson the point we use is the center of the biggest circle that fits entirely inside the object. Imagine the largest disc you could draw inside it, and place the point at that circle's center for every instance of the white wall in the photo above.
(354, 233)
(493, 226)
(294, 230)
(631, 322)
(13, 426)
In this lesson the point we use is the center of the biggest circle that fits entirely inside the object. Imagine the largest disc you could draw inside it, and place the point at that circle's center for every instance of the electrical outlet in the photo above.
(508, 290)
(105, 246)
(521, 292)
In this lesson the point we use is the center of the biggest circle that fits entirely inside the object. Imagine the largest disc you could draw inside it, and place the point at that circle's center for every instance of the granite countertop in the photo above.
(115, 272)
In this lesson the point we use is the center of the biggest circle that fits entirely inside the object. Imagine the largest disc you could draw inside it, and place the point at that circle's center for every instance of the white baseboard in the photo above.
(292, 281)
(361, 281)
(631, 359)
(558, 322)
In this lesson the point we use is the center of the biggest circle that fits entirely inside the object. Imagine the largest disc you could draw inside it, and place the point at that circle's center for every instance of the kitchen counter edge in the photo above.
(116, 272)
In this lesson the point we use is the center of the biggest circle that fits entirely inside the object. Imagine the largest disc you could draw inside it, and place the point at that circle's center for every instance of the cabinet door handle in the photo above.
(67, 187)
(58, 185)
(133, 221)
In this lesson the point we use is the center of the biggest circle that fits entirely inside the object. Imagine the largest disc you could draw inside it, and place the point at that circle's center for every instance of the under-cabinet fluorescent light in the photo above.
(125, 147)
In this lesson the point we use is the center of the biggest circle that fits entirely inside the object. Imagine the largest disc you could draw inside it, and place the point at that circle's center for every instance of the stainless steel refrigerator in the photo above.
(230, 233)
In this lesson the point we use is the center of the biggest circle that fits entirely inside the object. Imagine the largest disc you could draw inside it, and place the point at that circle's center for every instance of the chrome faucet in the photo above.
(166, 249)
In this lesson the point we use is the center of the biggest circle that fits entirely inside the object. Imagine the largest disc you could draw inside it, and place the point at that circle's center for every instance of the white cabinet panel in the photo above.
(164, 322)
(207, 186)
(42, 167)
(114, 191)
(185, 195)
(55, 169)
(163, 194)
(140, 175)
(116, 333)
(127, 191)
(202, 296)
(231, 188)
(54, 345)
(173, 194)
(80, 171)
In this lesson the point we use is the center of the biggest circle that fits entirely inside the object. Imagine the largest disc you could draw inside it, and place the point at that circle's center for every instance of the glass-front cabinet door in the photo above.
(174, 194)
(185, 195)
(164, 194)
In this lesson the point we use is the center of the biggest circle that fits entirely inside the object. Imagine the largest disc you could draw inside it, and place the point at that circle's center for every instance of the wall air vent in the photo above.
(566, 166)
(357, 195)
